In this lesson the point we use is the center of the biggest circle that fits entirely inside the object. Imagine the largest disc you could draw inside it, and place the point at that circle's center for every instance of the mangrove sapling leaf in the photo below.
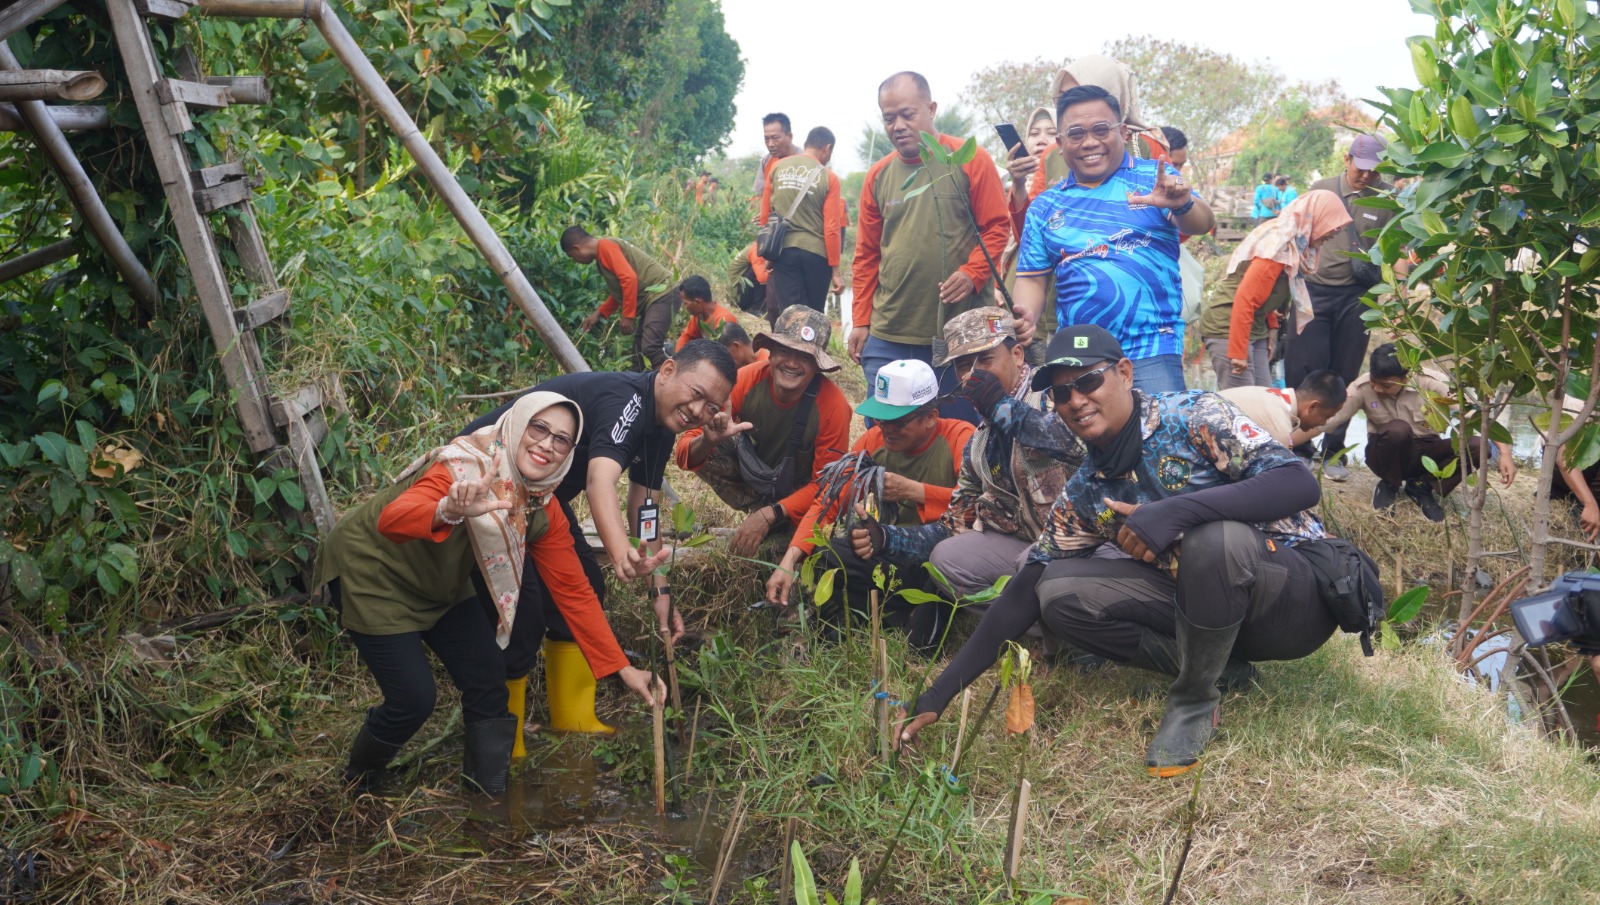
(914, 596)
(1583, 450)
(1440, 473)
(967, 151)
(991, 592)
(1388, 639)
(824, 591)
(917, 191)
(1406, 607)
(805, 884)
(910, 179)
(932, 150)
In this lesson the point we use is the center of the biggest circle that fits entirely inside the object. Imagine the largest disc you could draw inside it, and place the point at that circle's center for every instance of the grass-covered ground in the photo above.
(212, 776)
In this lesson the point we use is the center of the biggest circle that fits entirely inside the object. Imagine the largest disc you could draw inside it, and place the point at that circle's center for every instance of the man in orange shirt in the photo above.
(784, 422)
(920, 453)
(694, 293)
(640, 287)
(808, 266)
(920, 260)
(778, 135)
(749, 273)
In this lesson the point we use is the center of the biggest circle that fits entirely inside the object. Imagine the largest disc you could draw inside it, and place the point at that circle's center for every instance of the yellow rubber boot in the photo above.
(517, 689)
(569, 688)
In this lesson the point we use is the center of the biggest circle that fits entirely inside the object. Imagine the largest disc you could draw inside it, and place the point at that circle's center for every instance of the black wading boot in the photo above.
(486, 756)
(1190, 719)
(1159, 653)
(369, 762)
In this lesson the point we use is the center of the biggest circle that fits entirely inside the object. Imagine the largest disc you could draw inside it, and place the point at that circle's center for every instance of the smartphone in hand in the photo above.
(1011, 139)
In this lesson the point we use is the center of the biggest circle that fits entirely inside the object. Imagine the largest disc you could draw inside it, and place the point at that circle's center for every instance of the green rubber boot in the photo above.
(1191, 717)
(1159, 653)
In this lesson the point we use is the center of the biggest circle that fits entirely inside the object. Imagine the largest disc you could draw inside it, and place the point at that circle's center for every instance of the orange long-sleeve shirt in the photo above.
(719, 315)
(935, 498)
(611, 259)
(988, 204)
(410, 518)
(1254, 288)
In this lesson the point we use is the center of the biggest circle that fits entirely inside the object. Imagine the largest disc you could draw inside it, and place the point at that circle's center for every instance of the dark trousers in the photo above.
(1228, 572)
(463, 640)
(923, 623)
(799, 278)
(1395, 451)
(537, 613)
(1591, 476)
(650, 333)
(1334, 340)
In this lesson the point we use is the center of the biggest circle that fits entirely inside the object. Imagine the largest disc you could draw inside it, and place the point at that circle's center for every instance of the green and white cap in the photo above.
(900, 388)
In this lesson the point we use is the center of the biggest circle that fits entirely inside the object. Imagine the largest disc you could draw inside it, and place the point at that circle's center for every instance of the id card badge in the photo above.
(648, 517)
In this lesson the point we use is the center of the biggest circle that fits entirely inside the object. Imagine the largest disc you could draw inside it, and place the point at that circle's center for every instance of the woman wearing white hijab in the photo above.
(399, 570)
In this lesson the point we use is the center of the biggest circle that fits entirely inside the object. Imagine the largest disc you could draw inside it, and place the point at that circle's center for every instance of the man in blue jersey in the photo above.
(1109, 232)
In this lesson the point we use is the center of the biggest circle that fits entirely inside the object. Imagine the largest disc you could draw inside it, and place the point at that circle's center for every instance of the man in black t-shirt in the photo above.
(630, 421)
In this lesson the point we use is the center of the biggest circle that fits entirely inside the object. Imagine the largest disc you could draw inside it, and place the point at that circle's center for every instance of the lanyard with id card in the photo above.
(647, 526)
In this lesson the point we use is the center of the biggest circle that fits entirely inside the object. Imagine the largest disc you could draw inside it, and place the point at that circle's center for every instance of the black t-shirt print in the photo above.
(618, 424)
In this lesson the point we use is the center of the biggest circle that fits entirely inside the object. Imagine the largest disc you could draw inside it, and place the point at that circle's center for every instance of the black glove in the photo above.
(984, 391)
(875, 534)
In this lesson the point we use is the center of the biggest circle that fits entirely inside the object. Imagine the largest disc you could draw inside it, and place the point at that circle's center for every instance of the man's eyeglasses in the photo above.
(538, 431)
(1101, 131)
(1085, 383)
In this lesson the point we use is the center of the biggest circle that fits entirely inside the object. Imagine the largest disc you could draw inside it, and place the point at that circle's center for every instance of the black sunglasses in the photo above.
(1085, 383)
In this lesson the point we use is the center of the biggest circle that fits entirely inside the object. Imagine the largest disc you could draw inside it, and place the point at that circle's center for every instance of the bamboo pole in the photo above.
(54, 145)
(672, 681)
(883, 703)
(23, 13)
(50, 85)
(961, 727)
(694, 729)
(67, 119)
(730, 842)
(786, 873)
(1019, 825)
(438, 175)
(39, 257)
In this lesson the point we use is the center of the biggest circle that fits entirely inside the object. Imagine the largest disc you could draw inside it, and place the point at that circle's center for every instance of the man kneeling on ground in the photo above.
(1209, 509)
(1399, 436)
(784, 423)
(1013, 469)
(920, 453)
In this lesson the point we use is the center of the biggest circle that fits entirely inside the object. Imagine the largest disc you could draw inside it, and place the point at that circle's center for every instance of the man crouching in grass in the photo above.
(1207, 506)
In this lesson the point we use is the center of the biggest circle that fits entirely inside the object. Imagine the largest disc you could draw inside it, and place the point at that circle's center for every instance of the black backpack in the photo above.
(1349, 585)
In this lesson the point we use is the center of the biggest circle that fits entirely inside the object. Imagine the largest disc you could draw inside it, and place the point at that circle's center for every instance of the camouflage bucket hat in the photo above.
(978, 330)
(802, 329)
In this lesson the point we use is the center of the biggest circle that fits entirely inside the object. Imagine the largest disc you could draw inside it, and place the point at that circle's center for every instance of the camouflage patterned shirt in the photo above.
(1192, 441)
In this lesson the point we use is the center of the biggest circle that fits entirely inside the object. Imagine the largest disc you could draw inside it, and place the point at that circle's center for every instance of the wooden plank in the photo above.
(194, 232)
(67, 119)
(163, 9)
(210, 177)
(217, 197)
(267, 9)
(50, 85)
(246, 89)
(264, 310)
(23, 13)
(39, 257)
(304, 450)
(194, 94)
(295, 406)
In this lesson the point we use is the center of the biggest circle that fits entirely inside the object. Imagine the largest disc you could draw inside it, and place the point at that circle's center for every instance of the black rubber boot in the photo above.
(369, 762)
(1159, 653)
(486, 756)
(1190, 719)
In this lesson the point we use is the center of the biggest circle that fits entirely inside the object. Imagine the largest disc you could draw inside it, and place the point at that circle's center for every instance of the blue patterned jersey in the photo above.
(1115, 264)
(1192, 441)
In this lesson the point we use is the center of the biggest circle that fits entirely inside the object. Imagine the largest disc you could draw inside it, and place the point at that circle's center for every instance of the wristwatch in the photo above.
(664, 591)
(778, 514)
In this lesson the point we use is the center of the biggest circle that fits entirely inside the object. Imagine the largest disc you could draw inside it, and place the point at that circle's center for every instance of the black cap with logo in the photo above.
(1080, 346)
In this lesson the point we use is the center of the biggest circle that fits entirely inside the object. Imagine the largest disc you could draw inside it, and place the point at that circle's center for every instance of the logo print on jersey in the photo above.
(1173, 472)
(630, 413)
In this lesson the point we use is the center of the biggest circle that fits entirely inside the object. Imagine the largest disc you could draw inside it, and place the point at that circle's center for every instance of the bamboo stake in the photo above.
(23, 13)
(39, 257)
(54, 145)
(961, 727)
(883, 703)
(1019, 825)
(873, 647)
(730, 839)
(659, 736)
(786, 874)
(694, 729)
(672, 681)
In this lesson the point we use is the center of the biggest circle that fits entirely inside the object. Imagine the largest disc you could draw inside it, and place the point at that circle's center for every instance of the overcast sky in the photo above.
(833, 81)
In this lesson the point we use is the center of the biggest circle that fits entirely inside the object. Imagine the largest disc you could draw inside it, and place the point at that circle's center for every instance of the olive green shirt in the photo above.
(1217, 312)
(934, 465)
(655, 281)
(789, 176)
(387, 588)
(1333, 261)
(925, 238)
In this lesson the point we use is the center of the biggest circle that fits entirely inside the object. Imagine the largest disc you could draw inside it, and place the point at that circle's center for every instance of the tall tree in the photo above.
(1205, 93)
(1295, 136)
(1009, 92)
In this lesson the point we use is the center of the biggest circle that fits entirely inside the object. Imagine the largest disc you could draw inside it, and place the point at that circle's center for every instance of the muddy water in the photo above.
(562, 786)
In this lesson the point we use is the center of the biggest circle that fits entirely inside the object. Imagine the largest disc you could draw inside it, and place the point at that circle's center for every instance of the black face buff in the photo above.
(1119, 456)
